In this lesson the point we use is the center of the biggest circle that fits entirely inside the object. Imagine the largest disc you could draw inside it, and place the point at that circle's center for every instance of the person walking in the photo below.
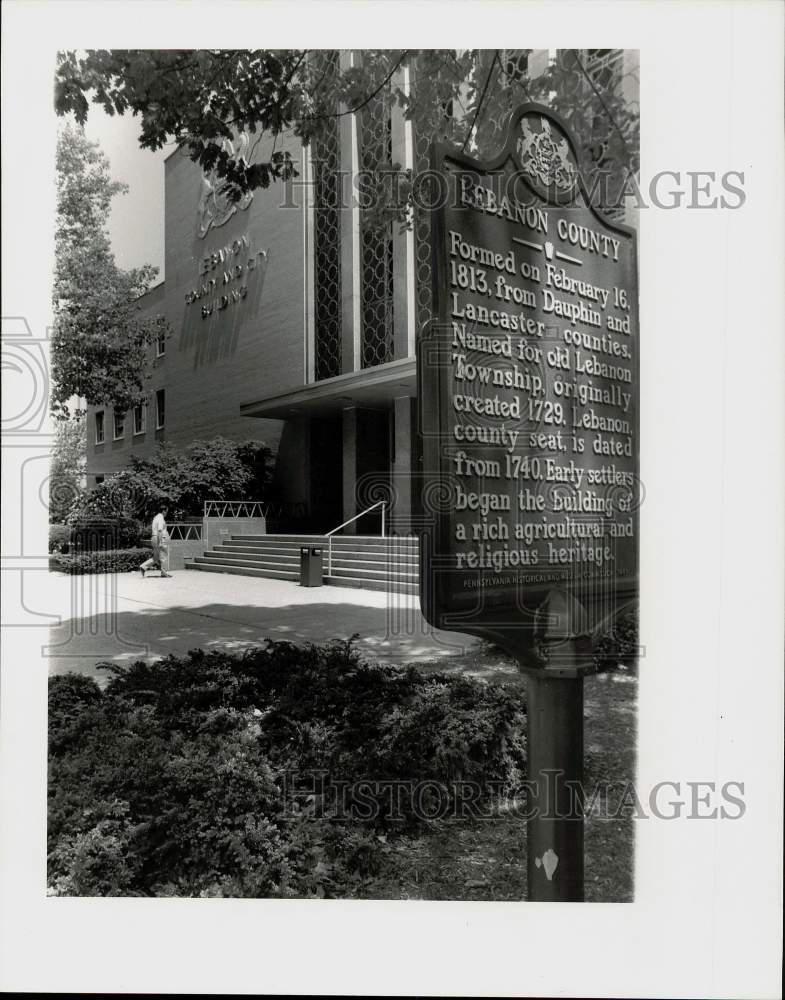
(160, 540)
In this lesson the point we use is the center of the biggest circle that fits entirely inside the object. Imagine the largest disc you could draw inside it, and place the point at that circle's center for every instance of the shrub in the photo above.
(182, 479)
(121, 495)
(215, 469)
(91, 534)
(620, 643)
(102, 561)
(257, 459)
(59, 537)
(177, 779)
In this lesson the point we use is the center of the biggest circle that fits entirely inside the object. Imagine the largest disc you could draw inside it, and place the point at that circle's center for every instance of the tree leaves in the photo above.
(197, 99)
(100, 340)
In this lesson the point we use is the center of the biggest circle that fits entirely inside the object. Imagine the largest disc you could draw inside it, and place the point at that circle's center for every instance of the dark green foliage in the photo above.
(100, 340)
(620, 643)
(101, 561)
(118, 496)
(257, 461)
(200, 99)
(92, 534)
(195, 775)
(182, 479)
(66, 473)
(59, 537)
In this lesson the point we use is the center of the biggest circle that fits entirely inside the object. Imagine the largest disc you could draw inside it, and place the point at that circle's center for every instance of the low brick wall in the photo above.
(221, 529)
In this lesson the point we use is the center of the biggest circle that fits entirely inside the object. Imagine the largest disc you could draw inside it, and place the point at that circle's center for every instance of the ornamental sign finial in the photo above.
(215, 206)
(546, 158)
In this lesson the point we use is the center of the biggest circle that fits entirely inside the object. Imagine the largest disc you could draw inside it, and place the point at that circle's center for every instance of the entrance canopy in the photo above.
(370, 388)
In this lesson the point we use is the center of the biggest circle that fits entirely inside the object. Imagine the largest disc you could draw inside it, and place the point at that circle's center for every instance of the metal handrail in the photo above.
(329, 535)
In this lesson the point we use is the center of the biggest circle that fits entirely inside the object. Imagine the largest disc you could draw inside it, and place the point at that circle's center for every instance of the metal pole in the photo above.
(555, 827)
(383, 509)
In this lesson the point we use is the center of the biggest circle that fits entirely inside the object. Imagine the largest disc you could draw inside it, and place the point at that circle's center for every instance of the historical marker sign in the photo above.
(529, 400)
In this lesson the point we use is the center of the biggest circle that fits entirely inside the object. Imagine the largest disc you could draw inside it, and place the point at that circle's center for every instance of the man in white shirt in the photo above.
(160, 540)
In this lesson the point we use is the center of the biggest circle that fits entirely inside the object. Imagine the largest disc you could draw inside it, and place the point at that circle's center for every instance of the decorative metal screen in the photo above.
(422, 234)
(605, 67)
(375, 149)
(327, 238)
(515, 63)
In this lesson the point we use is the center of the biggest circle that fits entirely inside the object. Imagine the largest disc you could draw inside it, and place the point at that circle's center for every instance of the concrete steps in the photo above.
(365, 561)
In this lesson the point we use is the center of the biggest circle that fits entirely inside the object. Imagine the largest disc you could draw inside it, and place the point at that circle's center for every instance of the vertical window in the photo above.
(375, 149)
(327, 232)
(119, 425)
(160, 345)
(139, 419)
(99, 427)
(160, 408)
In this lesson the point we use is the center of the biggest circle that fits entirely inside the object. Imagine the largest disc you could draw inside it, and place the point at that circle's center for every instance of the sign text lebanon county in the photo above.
(528, 398)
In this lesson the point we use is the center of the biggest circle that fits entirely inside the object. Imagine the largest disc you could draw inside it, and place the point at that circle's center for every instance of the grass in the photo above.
(486, 859)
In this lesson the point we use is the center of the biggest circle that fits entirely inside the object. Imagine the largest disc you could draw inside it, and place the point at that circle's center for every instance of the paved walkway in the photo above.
(123, 618)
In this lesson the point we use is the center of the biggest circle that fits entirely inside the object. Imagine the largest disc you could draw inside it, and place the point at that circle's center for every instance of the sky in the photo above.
(136, 224)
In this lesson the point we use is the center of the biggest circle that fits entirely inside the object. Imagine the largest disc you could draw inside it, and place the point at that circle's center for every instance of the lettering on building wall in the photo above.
(224, 275)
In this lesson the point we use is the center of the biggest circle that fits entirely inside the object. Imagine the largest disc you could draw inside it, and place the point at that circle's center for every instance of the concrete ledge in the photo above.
(180, 551)
(220, 529)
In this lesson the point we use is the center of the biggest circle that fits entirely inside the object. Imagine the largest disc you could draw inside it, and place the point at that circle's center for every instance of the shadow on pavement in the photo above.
(388, 634)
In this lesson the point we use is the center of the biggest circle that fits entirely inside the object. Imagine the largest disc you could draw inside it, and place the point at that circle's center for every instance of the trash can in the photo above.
(310, 566)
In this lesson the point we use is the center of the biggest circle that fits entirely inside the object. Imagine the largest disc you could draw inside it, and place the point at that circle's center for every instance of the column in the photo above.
(349, 482)
(401, 468)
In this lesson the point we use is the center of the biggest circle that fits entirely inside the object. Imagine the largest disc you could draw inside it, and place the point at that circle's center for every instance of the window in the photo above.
(99, 480)
(99, 427)
(376, 247)
(160, 345)
(160, 408)
(326, 153)
(119, 425)
(139, 418)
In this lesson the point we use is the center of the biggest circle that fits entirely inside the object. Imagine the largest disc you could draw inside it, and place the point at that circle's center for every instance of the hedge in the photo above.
(95, 533)
(59, 537)
(106, 561)
(199, 775)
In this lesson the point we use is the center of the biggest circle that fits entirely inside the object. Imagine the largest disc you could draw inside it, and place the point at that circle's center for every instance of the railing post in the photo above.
(384, 507)
(329, 555)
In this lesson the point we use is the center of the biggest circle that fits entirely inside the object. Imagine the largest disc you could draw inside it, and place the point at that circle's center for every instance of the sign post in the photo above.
(528, 415)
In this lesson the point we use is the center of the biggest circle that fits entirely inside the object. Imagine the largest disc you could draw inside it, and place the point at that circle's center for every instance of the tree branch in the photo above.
(482, 98)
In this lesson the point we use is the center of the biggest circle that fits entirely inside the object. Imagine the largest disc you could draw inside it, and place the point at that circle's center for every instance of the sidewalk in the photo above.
(123, 618)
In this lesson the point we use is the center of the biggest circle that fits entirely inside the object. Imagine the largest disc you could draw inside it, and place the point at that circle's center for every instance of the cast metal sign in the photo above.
(528, 396)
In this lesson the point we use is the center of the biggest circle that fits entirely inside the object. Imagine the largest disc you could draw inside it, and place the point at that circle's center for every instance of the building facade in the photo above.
(295, 323)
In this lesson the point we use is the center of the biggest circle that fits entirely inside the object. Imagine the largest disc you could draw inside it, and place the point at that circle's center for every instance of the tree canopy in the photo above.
(198, 99)
(99, 340)
(69, 461)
